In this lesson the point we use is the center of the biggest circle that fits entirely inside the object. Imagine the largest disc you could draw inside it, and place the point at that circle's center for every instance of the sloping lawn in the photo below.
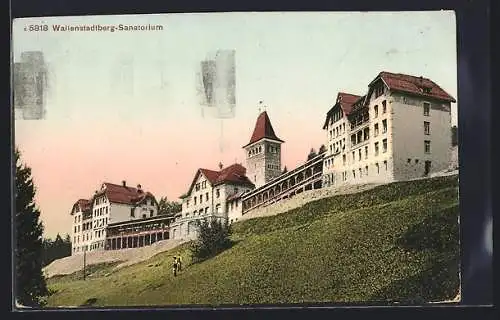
(397, 242)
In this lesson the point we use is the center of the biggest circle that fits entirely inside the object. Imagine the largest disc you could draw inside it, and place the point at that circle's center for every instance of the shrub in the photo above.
(213, 238)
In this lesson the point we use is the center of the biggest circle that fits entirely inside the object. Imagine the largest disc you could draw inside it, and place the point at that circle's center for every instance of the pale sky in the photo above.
(154, 134)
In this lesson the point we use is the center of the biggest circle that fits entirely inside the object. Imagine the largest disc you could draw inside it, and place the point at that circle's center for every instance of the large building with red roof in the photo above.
(112, 204)
(399, 130)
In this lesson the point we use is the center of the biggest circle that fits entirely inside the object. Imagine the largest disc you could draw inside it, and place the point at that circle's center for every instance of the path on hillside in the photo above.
(71, 264)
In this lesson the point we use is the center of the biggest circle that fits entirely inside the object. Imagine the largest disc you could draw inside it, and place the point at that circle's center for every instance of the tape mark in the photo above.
(217, 84)
(30, 86)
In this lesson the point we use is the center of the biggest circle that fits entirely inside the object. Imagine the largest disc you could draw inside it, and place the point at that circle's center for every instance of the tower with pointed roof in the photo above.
(263, 152)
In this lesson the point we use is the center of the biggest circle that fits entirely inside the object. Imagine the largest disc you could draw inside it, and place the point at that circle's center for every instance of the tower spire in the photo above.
(262, 107)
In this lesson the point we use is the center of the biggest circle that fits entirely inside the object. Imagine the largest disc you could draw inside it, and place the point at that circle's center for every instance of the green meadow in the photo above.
(394, 243)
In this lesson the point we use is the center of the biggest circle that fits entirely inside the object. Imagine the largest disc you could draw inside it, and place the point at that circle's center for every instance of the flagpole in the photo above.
(84, 261)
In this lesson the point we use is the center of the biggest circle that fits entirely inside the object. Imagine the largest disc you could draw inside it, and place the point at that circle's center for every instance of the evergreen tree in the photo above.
(213, 238)
(322, 149)
(166, 207)
(30, 283)
(311, 154)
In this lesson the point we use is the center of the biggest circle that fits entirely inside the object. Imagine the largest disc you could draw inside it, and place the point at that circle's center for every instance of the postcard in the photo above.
(236, 159)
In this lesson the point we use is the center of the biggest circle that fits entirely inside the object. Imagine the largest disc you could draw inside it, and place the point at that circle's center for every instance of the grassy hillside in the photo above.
(397, 242)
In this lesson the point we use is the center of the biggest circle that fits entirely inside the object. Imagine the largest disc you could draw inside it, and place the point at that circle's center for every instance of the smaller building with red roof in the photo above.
(211, 194)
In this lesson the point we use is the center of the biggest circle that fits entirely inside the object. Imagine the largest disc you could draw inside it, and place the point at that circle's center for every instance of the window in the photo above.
(366, 152)
(206, 196)
(375, 110)
(354, 174)
(427, 146)
(384, 106)
(427, 108)
(376, 148)
(384, 145)
(195, 198)
(409, 160)
(217, 208)
(75, 229)
(377, 167)
(353, 156)
(132, 213)
(385, 165)
(384, 126)
(344, 159)
(379, 91)
(427, 127)
(151, 212)
(187, 203)
(197, 188)
(144, 216)
(359, 154)
(217, 193)
(201, 198)
(360, 173)
(206, 210)
(375, 128)
(416, 161)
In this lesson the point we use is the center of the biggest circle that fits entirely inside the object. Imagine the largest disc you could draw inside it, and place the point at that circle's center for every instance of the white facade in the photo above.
(90, 234)
(400, 137)
(206, 201)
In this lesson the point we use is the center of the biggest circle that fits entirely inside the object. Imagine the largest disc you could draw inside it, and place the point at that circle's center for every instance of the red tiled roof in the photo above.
(124, 194)
(263, 129)
(84, 204)
(234, 174)
(414, 85)
(345, 101)
(211, 175)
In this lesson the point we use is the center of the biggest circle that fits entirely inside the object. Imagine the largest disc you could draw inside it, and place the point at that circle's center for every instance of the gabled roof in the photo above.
(124, 194)
(345, 101)
(83, 204)
(263, 129)
(414, 85)
(234, 174)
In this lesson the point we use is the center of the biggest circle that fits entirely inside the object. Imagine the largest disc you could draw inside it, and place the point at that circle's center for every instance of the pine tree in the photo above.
(30, 282)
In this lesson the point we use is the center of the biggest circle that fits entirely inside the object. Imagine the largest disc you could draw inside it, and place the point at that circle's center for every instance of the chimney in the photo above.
(124, 183)
(220, 165)
(139, 188)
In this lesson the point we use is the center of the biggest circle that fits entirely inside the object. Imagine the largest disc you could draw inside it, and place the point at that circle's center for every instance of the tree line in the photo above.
(55, 249)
